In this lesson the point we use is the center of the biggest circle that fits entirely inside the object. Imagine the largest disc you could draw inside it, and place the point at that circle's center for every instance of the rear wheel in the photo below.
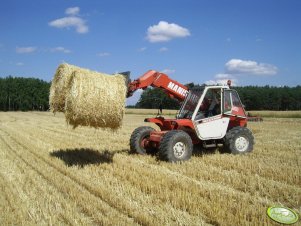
(138, 138)
(175, 146)
(239, 140)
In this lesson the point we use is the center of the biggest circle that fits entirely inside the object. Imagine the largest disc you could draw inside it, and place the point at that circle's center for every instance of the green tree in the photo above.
(253, 97)
(23, 94)
(153, 98)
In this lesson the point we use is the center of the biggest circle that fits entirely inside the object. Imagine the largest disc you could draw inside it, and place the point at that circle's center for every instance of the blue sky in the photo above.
(251, 42)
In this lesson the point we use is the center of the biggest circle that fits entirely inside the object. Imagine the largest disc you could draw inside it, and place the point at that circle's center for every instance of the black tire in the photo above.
(176, 145)
(239, 140)
(137, 136)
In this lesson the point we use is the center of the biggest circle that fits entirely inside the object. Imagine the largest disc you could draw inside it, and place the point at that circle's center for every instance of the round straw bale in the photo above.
(95, 99)
(59, 85)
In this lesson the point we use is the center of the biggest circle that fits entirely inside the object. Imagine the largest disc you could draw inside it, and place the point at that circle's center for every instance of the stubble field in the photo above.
(51, 174)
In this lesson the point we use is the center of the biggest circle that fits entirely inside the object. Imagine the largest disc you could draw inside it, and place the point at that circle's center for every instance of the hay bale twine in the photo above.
(58, 88)
(95, 99)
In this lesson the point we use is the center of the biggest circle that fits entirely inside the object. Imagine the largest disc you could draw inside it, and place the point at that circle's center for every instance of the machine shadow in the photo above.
(82, 157)
(199, 150)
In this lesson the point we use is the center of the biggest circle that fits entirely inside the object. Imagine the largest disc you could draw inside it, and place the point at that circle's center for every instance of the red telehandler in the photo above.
(209, 115)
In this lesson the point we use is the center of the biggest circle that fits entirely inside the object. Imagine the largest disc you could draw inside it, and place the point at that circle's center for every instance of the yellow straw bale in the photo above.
(95, 99)
(59, 85)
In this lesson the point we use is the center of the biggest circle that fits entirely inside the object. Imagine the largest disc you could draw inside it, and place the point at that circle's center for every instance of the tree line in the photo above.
(253, 97)
(270, 97)
(26, 94)
(23, 94)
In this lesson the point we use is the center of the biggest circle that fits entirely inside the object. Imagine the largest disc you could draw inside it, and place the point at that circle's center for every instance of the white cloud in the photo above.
(221, 82)
(78, 23)
(20, 64)
(223, 76)
(28, 49)
(142, 49)
(72, 11)
(163, 49)
(235, 68)
(168, 71)
(60, 49)
(104, 54)
(164, 31)
(258, 39)
(238, 66)
(222, 79)
(71, 21)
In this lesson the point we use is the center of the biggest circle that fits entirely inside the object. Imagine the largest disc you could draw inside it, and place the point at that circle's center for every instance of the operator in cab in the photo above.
(210, 105)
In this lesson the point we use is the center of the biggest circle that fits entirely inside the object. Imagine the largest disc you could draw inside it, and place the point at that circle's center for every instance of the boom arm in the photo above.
(160, 80)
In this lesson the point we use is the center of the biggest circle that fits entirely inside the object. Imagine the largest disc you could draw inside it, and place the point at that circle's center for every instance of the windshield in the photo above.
(190, 104)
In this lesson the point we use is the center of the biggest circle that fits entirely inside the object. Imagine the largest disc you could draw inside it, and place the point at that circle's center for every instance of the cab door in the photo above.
(208, 119)
(232, 105)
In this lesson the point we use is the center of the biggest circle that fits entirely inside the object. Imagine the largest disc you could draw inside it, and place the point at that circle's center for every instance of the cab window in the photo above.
(232, 104)
(227, 102)
(211, 104)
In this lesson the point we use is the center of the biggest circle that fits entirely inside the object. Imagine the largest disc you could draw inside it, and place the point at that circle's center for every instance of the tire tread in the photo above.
(165, 152)
(232, 133)
(135, 137)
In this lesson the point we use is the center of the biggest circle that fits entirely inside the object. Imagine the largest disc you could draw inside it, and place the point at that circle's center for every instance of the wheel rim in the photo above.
(241, 144)
(179, 149)
(143, 142)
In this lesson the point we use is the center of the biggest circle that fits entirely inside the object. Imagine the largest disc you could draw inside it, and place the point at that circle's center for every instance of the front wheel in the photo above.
(175, 146)
(239, 140)
(138, 138)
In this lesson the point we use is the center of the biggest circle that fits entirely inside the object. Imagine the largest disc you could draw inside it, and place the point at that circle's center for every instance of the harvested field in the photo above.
(51, 174)
(277, 114)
